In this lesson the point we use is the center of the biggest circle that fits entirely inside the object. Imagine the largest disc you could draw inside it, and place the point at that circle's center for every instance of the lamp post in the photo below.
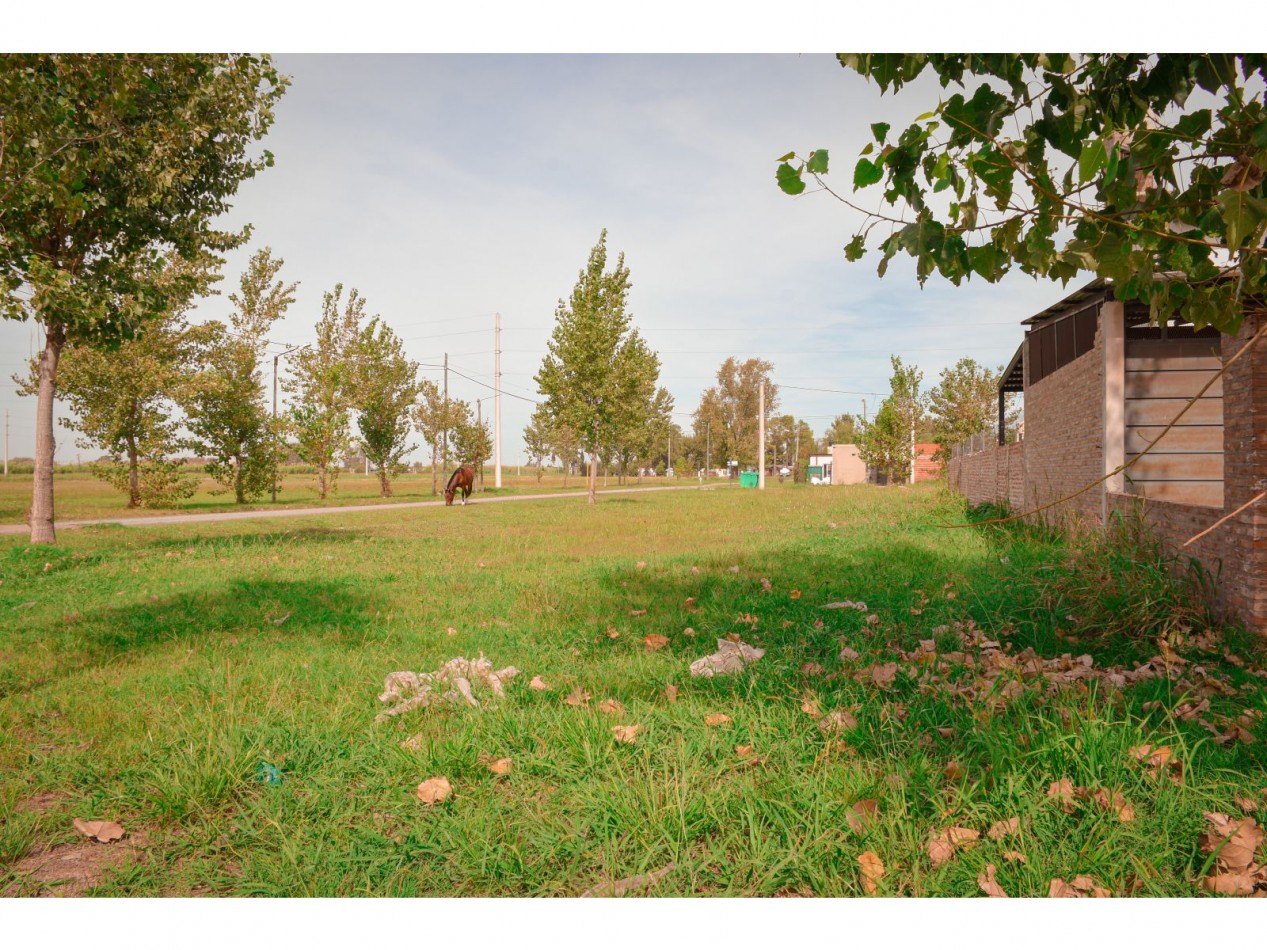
(293, 349)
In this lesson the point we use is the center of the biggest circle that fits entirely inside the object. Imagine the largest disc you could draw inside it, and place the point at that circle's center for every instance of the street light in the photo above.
(293, 349)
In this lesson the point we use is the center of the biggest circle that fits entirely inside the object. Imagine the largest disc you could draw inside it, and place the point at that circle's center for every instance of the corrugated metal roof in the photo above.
(1100, 288)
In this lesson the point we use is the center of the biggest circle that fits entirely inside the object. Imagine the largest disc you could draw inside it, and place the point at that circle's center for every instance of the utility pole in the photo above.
(761, 437)
(669, 467)
(497, 400)
(864, 412)
(6, 443)
(796, 464)
(708, 446)
(293, 349)
(444, 434)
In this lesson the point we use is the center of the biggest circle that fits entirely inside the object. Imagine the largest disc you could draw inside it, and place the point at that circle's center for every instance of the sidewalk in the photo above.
(142, 521)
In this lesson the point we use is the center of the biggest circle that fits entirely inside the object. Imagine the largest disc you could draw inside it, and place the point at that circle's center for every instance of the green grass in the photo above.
(144, 678)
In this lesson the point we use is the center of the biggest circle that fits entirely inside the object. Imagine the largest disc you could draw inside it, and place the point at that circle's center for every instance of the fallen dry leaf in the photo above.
(498, 766)
(690, 605)
(688, 632)
(837, 721)
(716, 719)
(861, 813)
(1232, 841)
(612, 632)
(952, 772)
(810, 707)
(743, 751)
(988, 884)
(640, 565)
(734, 568)
(434, 790)
(670, 693)
(883, 674)
(413, 743)
(1115, 802)
(872, 869)
(611, 707)
(1001, 829)
(1245, 804)
(1014, 856)
(794, 594)
(1064, 793)
(578, 697)
(1239, 884)
(103, 831)
(944, 843)
(945, 732)
(637, 613)
(694, 569)
(848, 653)
(626, 734)
(812, 669)
(766, 585)
(655, 641)
(538, 684)
(1080, 886)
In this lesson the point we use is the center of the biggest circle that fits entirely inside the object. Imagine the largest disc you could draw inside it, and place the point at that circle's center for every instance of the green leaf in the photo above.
(880, 130)
(1110, 166)
(1092, 160)
(1239, 217)
(818, 162)
(855, 248)
(866, 173)
(789, 179)
(787, 158)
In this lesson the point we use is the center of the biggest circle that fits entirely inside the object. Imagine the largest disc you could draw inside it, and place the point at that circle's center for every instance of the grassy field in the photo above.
(214, 689)
(80, 496)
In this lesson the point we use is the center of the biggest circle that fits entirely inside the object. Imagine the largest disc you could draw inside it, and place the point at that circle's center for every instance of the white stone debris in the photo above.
(731, 657)
(417, 690)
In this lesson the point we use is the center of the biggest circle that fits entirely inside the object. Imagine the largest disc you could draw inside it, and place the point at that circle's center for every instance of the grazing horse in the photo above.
(464, 479)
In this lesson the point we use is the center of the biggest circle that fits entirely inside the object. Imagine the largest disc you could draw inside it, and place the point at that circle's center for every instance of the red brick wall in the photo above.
(1064, 437)
(997, 475)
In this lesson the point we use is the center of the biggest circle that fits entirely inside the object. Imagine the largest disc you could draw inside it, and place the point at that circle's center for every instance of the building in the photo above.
(1100, 386)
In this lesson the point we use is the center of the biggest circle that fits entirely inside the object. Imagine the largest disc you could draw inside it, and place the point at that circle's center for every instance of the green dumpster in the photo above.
(749, 479)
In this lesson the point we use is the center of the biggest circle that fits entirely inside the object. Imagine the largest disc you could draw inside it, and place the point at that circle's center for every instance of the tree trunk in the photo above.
(134, 475)
(384, 483)
(593, 478)
(322, 487)
(239, 491)
(434, 484)
(42, 530)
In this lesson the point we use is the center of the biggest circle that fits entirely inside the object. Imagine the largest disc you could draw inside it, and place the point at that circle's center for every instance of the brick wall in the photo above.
(995, 475)
(1064, 437)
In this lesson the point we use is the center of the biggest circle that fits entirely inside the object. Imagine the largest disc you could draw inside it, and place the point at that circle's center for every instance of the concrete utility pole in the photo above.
(293, 349)
(761, 437)
(6, 443)
(796, 462)
(497, 400)
(669, 467)
(444, 433)
(708, 447)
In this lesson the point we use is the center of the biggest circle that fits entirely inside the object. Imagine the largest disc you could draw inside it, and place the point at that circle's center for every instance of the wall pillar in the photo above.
(1113, 331)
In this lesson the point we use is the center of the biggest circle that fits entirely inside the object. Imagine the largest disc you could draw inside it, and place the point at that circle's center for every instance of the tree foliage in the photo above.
(386, 391)
(728, 411)
(597, 367)
(1145, 169)
(964, 403)
(886, 442)
(842, 431)
(472, 437)
(324, 386)
(226, 402)
(108, 162)
(435, 419)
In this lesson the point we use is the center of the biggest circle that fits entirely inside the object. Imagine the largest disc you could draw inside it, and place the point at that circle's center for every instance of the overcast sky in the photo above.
(447, 188)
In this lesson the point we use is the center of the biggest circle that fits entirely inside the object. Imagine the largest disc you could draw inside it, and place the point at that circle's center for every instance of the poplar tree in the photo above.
(594, 360)
(108, 162)
(323, 387)
(386, 390)
(228, 415)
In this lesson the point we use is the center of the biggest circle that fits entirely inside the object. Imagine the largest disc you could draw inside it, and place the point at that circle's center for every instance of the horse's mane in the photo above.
(453, 479)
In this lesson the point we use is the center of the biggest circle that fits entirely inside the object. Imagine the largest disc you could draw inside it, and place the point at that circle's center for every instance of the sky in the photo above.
(448, 188)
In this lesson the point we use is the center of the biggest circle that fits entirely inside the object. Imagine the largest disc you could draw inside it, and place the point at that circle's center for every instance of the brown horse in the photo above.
(464, 479)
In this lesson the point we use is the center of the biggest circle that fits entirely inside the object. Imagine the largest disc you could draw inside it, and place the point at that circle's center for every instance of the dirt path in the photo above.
(144, 522)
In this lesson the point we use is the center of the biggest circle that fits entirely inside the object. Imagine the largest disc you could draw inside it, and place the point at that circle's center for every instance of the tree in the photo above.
(124, 397)
(642, 414)
(842, 431)
(472, 439)
(324, 384)
(887, 444)
(386, 390)
(106, 163)
(1057, 164)
(593, 357)
(729, 409)
(538, 440)
(227, 413)
(964, 403)
(435, 419)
